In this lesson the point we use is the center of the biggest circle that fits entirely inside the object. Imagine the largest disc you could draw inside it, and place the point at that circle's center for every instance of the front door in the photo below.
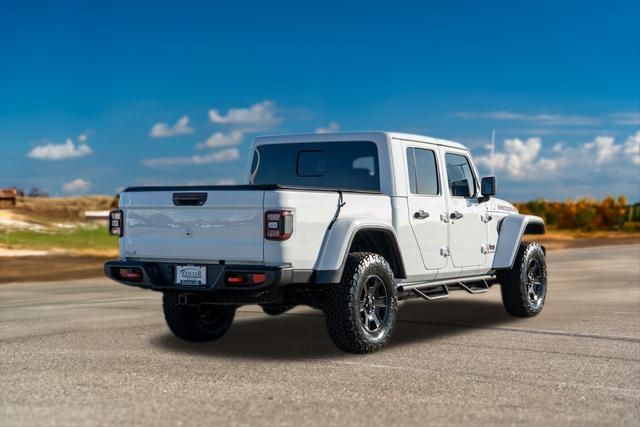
(467, 229)
(427, 203)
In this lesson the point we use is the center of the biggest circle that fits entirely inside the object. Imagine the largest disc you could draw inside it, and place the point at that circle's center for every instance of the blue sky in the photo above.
(94, 97)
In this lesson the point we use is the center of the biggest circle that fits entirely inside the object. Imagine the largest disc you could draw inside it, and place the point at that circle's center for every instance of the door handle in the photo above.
(456, 215)
(421, 214)
(189, 199)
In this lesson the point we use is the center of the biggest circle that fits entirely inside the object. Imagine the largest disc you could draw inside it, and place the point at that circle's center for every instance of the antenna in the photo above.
(493, 150)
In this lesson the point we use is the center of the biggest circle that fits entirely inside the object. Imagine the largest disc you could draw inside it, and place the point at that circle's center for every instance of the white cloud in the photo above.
(519, 158)
(632, 148)
(222, 156)
(629, 118)
(522, 160)
(259, 116)
(332, 127)
(603, 148)
(61, 151)
(163, 130)
(84, 136)
(226, 182)
(220, 139)
(547, 119)
(542, 118)
(556, 131)
(77, 186)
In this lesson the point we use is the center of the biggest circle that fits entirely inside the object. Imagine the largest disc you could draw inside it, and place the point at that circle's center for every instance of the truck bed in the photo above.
(229, 225)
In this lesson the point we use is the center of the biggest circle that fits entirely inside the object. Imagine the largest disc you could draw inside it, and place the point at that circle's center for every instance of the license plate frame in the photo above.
(191, 275)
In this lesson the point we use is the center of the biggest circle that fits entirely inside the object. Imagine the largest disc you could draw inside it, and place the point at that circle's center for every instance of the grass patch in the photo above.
(77, 239)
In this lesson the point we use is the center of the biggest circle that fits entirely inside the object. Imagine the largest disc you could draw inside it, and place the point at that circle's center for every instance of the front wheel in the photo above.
(524, 286)
(361, 310)
(197, 323)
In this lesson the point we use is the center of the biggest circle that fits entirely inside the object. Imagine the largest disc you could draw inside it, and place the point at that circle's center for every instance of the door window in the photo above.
(423, 171)
(460, 176)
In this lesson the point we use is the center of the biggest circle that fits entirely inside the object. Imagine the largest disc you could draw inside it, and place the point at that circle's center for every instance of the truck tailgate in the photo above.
(227, 226)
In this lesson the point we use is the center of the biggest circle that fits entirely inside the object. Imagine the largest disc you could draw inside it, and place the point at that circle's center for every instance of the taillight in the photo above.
(236, 279)
(278, 225)
(245, 278)
(258, 278)
(116, 223)
(128, 274)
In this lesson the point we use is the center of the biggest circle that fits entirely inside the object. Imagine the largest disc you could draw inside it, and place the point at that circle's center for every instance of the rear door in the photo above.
(194, 225)
(426, 202)
(467, 230)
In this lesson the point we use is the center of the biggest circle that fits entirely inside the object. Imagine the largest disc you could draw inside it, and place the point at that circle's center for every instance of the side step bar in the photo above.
(434, 294)
(477, 290)
(439, 289)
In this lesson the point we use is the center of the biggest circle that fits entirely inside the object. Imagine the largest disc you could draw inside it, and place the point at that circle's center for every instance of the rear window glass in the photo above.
(423, 172)
(347, 165)
(312, 163)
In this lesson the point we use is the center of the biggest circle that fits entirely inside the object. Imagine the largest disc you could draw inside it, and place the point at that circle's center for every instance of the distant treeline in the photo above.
(586, 213)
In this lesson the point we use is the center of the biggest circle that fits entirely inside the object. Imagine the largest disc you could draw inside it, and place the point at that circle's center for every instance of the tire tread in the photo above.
(512, 282)
(341, 304)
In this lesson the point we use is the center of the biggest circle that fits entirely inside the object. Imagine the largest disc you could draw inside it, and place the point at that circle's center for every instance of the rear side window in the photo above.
(459, 175)
(341, 165)
(423, 171)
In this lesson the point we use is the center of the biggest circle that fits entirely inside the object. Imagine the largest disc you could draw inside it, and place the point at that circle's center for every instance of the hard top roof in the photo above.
(350, 136)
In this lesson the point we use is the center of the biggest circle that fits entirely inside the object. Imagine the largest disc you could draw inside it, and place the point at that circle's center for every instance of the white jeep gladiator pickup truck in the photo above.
(349, 223)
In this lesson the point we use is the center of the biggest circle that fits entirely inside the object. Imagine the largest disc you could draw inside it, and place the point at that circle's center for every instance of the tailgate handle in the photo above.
(189, 199)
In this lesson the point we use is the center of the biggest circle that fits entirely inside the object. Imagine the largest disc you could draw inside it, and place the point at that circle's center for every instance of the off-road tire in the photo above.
(514, 283)
(196, 323)
(343, 314)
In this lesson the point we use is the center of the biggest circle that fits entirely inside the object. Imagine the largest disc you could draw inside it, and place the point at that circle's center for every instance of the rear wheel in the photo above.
(524, 286)
(361, 310)
(198, 323)
(275, 309)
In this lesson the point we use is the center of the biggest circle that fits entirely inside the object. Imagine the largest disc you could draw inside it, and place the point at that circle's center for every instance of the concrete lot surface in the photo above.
(93, 352)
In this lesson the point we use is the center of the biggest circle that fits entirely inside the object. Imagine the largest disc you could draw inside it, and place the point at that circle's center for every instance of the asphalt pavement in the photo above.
(92, 352)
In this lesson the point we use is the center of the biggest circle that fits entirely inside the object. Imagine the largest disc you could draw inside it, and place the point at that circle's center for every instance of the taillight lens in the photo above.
(116, 223)
(258, 278)
(236, 279)
(278, 225)
(128, 274)
(245, 278)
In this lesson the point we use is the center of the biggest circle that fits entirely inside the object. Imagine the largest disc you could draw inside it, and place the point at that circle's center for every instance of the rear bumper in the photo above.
(161, 276)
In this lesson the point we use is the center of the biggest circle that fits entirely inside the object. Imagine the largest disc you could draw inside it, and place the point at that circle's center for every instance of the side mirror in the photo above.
(488, 187)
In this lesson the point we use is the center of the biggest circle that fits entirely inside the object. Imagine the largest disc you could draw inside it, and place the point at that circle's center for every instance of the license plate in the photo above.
(191, 275)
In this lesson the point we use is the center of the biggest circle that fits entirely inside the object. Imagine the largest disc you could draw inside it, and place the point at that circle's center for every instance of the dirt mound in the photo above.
(62, 209)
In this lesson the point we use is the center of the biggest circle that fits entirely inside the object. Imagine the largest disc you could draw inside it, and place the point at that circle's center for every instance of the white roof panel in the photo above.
(350, 136)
